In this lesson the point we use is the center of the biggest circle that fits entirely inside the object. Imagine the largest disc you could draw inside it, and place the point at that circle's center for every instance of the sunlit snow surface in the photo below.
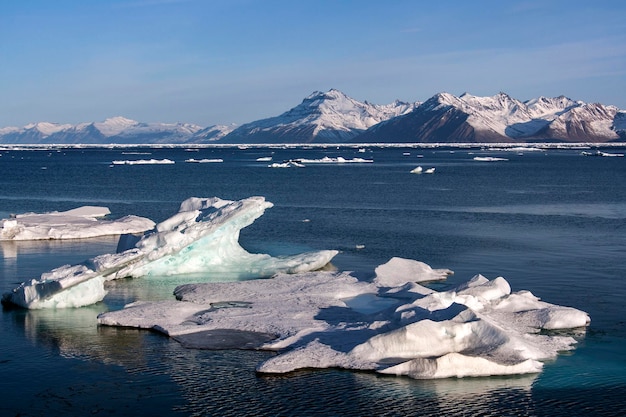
(392, 325)
(79, 223)
(201, 238)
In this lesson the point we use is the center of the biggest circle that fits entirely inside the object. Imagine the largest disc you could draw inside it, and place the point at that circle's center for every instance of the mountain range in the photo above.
(333, 117)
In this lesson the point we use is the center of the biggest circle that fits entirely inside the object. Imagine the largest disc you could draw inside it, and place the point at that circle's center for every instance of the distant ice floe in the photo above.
(489, 159)
(600, 153)
(79, 223)
(204, 161)
(143, 162)
(391, 325)
(201, 238)
(337, 160)
(420, 170)
(287, 164)
(302, 162)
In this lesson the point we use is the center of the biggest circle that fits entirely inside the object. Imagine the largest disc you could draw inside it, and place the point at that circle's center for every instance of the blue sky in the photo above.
(234, 61)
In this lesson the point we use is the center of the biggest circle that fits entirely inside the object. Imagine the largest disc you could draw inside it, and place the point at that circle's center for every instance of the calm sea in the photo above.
(553, 222)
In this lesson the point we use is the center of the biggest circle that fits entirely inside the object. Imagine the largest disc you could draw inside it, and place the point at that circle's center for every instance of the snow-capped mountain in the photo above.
(112, 130)
(333, 117)
(500, 118)
(321, 117)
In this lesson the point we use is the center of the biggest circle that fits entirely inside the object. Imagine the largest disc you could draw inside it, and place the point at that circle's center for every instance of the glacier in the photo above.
(314, 320)
(79, 223)
(202, 237)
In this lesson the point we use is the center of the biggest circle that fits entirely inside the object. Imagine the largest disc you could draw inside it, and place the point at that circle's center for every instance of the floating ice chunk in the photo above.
(420, 170)
(204, 161)
(287, 164)
(202, 237)
(143, 162)
(78, 223)
(600, 153)
(489, 159)
(337, 160)
(398, 271)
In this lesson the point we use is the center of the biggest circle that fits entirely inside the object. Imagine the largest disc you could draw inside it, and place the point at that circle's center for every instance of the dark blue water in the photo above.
(552, 222)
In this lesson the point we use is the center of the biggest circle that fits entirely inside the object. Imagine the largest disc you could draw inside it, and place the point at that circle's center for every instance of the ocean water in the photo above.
(552, 222)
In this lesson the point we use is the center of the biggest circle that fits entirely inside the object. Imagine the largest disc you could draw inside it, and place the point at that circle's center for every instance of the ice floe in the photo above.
(600, 153)
(204, 161)
(79, 223)
(489, 159)
(337, 160)
(201, 238)
(479, 328)
(391, 323)
(287, 164)
(143, 162)
(420, 170)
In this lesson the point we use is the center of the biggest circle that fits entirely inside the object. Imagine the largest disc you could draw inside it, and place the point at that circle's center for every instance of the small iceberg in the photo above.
(603, 154)
(204, 161)
(79, 223)
(420, 170)
(287, 164)
(143, 162)
(203, 237)
(489, 159)
(337, 160)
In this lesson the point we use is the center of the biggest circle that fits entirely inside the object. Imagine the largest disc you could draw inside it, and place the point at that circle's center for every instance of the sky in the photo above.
(235, 61)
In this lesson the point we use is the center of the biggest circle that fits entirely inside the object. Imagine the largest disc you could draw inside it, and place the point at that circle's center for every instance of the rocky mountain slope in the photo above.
(500, 118)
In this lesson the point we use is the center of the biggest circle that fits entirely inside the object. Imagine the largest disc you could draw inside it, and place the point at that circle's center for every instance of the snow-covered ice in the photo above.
(480, 328)
(143, 162)
(337, 160)
(201, 238)
(78, 223)
(391, 323)
(204, 161)
(286, 164)
(420, 170)
(489, 159)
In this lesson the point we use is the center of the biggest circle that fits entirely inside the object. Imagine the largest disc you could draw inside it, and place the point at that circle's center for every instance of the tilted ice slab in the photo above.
(203, 237)
(79, 223)
(316, 320)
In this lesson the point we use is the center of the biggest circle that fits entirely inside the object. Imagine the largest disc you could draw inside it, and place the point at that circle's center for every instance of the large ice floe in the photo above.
(79, 223)
(388, 323)
(391, 324)
(203, 237)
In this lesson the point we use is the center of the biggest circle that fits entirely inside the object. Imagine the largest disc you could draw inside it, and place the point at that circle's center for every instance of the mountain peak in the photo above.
(115, 125)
